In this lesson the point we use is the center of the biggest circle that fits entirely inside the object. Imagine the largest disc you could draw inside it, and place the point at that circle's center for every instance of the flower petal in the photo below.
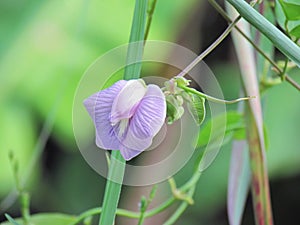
(125, 103)
(128, 153)
(147, 120)
(99, 107)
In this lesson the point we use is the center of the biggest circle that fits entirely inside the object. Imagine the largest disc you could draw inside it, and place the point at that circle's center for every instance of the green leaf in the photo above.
(44, 219)
(279, 14)
(234, 125)
(291, 10)
(136, 46)
(197, 108)
(296, 31)
(11, 220)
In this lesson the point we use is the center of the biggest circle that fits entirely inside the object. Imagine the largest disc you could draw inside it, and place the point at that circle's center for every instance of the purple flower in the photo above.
(127, 116)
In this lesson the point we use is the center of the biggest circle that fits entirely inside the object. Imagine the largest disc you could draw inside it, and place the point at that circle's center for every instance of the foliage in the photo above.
(42, 78)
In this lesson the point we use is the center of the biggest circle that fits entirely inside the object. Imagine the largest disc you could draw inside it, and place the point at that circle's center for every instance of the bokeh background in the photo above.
(45, 47)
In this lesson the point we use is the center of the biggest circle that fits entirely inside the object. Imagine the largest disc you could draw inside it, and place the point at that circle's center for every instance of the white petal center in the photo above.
(125, 103)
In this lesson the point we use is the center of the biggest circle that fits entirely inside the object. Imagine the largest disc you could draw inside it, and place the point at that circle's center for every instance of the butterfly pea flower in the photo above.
(127, 116)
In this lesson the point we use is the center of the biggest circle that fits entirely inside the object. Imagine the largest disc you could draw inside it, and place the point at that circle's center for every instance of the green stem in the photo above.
(141, 218)
(126, 213)
(280, 40)
(113, 189)
(210, 48)
(213, 99)
(191, 182)
(150, 15)
(178, 194)
(145, 204)
(180, 209)
(96, 211)
(279, 71)
(286, 22)
(286, 62)
(161, 207)
(25, 201)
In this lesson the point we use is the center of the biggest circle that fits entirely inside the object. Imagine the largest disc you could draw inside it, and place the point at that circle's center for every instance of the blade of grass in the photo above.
(112, 189)
(132, 71)
(135, 49)
(11, 220)
(280, 40)
(254, 126)
(238, 182)
(151, 9)
(239, 179)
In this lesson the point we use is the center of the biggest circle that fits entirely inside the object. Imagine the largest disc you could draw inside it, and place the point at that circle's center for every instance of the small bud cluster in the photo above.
(175, 97)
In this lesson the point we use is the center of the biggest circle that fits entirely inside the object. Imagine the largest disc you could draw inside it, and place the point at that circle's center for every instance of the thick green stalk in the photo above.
(279, 39)
(132, 71)
(136, 41)
(112, 189)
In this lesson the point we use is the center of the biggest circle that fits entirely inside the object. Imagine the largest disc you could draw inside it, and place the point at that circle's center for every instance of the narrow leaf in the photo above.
(291, 10)
(197, 108)
(253, 118)
(113, 188)
(11, 220)
(136, 41)
(238, 182)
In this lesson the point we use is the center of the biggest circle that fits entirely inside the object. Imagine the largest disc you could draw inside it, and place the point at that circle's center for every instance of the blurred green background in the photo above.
(45, 47)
